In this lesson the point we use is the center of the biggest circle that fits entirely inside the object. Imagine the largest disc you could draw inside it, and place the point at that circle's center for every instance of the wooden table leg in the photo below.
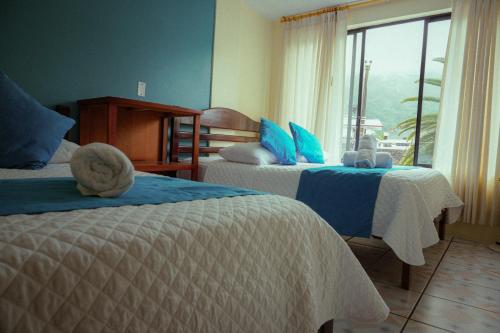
(442, 224)
(405, 276)
(326, 327)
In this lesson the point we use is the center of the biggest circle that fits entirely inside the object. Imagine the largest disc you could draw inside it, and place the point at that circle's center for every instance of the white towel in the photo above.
(366, 152)
(102, 170)
(382, 159)
(349, 158)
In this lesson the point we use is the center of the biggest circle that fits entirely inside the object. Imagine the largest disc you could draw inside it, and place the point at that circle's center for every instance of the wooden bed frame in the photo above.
(215, 118)
(229, 119)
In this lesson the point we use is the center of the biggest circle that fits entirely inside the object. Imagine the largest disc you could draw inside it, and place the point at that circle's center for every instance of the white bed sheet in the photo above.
(408, 200)
(262, 263)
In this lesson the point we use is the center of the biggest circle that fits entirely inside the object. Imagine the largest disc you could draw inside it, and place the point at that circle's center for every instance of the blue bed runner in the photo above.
(344, 196)
(40, 195)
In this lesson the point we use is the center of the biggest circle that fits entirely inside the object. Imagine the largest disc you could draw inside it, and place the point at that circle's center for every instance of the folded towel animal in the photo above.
(382, 159)
(102, 170)
(366, 152)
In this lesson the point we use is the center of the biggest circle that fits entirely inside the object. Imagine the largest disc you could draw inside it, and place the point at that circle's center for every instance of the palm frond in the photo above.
(431, 81)
(424, 98)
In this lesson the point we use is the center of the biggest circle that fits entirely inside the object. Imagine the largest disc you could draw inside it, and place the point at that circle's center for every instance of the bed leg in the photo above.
(326, 327)
(442, 224)
(405, 276)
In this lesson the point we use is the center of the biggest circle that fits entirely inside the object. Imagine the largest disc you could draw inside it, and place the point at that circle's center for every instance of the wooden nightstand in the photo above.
(142, 130)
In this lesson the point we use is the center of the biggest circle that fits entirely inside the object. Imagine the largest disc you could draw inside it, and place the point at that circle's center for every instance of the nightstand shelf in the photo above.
(142, 130)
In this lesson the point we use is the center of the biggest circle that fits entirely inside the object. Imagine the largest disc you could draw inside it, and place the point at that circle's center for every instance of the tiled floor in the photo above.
(457, 290)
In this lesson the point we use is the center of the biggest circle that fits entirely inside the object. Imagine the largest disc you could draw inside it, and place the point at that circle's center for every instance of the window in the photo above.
(393, 82)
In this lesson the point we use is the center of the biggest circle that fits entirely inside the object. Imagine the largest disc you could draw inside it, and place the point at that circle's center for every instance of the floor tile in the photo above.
(399, 301)
(476, 275)
(455, 317)
(463, 241)
(474, 250)
(470, 260)
(389, 269)
(367, 255)
(393, 324)
(466, 293)
(419, 276)
(433, 254)
(374, 242)
(415, 327)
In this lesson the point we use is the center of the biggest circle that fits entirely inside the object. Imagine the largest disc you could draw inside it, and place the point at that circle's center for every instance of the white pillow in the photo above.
(64, 153)
(248, 153)
(302, 159)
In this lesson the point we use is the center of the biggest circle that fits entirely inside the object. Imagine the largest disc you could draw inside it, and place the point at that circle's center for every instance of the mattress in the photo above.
(408, 201)
(261, 263)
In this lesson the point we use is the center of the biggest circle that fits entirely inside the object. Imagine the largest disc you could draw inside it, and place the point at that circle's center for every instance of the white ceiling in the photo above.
(274, 9)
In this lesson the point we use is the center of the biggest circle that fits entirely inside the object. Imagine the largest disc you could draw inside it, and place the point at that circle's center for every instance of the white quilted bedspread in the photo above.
(408, 200)
(261, 263)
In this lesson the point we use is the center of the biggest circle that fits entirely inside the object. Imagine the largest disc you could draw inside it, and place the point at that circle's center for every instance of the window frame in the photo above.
(427, 20)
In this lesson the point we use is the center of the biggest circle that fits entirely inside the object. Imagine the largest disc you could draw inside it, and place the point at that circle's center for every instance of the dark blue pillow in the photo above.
(307, 144)
(278, 142)
(29, 132)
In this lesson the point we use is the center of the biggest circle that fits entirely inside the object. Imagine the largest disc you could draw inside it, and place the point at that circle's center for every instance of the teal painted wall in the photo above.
(60, 51)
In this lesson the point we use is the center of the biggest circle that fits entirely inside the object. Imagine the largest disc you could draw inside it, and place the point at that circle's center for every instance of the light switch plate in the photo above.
(141, 89)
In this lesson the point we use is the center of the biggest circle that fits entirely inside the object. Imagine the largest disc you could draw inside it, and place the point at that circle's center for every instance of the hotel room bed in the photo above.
(257, 263)
(407, 203)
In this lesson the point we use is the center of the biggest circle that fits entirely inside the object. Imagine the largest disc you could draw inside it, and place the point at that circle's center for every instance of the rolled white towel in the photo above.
(349, 158)
(102, 170)
(382, 159)
(366, 152)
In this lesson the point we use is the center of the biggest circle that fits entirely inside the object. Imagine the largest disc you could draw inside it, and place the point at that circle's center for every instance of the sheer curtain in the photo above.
(313, 77)
(467, 139)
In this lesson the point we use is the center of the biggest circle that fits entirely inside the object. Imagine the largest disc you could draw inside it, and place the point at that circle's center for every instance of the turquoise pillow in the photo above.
(278, 142)
(29, 132)
(307, 144)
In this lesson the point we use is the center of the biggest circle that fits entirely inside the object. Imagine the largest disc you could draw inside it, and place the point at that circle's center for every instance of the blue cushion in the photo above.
(278, 142)
(307, 144)
(29, 132)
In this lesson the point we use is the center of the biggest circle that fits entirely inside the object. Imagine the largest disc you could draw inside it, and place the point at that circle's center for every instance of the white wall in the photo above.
(242, 59)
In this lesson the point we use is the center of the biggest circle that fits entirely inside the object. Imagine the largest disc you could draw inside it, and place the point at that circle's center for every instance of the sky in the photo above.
(398, 48)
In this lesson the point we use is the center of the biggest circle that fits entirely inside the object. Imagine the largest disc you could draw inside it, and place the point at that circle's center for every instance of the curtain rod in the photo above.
(298, 17)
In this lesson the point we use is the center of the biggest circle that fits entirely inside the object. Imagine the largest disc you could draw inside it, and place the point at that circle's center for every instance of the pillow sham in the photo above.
(278, 142)
(307, 144)
(64, 153)
(30, 133)
(248, 153)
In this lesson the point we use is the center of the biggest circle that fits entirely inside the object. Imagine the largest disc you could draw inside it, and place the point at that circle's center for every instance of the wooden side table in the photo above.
(142, 130)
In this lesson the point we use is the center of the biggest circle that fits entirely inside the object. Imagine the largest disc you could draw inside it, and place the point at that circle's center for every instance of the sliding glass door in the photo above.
(393, 79)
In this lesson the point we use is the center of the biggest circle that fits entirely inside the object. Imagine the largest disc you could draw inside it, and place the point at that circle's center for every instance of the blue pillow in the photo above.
(278, 142)
(307, 144)
(29, 132)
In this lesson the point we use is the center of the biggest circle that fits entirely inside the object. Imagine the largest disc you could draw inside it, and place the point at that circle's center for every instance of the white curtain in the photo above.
(313, 77)
(467, 139)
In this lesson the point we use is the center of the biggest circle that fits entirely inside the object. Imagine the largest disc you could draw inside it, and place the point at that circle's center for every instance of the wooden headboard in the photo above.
(215, 118)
